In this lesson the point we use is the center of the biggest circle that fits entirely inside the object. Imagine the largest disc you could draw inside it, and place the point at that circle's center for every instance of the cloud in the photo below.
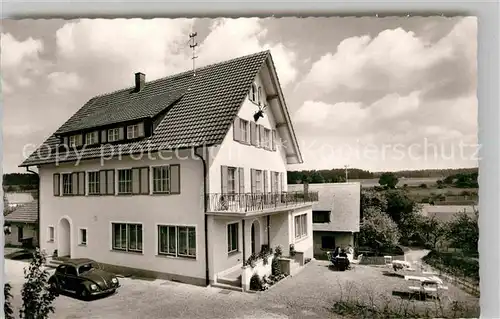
(20, 60)
(394, 61)
(61, 82)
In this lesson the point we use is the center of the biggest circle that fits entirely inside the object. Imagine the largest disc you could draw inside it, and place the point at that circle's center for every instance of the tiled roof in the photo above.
(209, 102)
(27, 213)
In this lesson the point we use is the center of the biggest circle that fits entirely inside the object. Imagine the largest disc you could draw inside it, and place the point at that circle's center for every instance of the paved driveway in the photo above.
(306, 295)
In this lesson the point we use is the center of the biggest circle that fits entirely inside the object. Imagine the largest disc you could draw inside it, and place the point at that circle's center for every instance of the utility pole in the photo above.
(346, 173)
(193, 46)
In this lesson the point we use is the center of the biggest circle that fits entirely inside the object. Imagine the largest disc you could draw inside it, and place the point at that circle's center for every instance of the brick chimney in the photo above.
(140, 80)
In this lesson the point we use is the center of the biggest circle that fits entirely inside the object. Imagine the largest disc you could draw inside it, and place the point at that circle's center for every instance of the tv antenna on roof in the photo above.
(193, 46)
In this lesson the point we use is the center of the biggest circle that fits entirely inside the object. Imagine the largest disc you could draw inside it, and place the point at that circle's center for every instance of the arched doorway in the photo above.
(255, 237)
(64, 238)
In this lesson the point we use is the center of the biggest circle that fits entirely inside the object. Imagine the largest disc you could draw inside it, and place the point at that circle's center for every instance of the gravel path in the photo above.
(309, 294)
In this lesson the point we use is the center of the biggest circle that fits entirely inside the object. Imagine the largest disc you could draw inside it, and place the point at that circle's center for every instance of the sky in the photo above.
(380, 94)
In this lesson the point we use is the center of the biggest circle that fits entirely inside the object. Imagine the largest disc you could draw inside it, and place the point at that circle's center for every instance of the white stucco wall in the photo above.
(96, 213)
(233, 153)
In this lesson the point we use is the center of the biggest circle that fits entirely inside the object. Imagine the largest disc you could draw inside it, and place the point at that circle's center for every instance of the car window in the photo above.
(85, 268)
(61, 269)
(70, 270)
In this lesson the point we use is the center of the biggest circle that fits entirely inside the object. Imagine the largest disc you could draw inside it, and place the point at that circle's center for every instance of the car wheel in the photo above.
(84, 294)
(54, 287)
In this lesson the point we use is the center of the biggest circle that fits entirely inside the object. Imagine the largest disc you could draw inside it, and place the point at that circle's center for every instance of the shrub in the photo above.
(251, 260)
(275, 267)
(278, 251)
(453, 263)
(292, 250)
(307, 260)
(36, 293)
(7, 306)
(255, 282)
(423, 185)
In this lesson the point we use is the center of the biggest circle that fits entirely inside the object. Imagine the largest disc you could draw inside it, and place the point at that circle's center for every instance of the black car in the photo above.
(83, 277)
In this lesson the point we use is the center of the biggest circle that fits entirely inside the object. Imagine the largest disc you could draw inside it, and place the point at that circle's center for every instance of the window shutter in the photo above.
(273, 140)
(264, 180)
(74, 182)
(104, 136)
(102, 182)
(273, 178)
(57, 184)
(110, 180)
(121, 133)
(141, 129)
(281, 182)
(223, 179)
(81, 183)
(145, 180)
(136, 186)
(237, 130)
(253, 133)
(96, 136)
(236, 180)
(175, 179)
(241, 175)
(254, 186)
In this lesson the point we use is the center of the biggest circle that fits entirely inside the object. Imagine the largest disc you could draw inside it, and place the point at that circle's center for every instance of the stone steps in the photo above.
(227, 287)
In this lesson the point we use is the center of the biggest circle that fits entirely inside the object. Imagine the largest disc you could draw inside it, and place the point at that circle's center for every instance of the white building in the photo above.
(177, 178)
(336, 215)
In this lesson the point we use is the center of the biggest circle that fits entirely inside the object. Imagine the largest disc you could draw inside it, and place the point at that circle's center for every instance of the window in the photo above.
(71, 271)
(300, 226)
(267, 139)
(20, 234)
(260, 96)
(178, 241)
(83, 237)
(51, 234)
(113, 134)
(232, 237)
(244, 133)
(94, 183)
(258, 181)
(127, 237)
(75, 140)
(124, 181)
(231, 180)
(161, 179)
(321, 216)
(327, 242)
(91, 138)
(135, 131)
(67, 184)
(253, 93)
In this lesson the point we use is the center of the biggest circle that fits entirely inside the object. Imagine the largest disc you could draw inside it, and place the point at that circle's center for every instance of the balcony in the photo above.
(254, 203)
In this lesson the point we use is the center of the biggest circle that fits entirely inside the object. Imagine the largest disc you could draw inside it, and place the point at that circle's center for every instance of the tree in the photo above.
(378, 227)
(432, 230)
(463, 231)
(316, 177)
(7, 306)
(371, 198)
(36, 293)
(388, 180)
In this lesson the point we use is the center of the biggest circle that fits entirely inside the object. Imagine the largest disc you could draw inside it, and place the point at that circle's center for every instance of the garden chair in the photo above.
(357, 260)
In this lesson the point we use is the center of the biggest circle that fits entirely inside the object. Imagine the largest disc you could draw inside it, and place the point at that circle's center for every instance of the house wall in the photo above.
(342, 239)
(233, 153)
(29, 230)
(304, 244)
(96, 213)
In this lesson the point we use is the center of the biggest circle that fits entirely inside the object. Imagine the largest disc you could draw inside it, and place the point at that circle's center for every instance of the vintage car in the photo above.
(83, 277)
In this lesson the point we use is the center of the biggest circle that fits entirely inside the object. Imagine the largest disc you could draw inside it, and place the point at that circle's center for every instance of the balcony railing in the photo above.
(257, 202)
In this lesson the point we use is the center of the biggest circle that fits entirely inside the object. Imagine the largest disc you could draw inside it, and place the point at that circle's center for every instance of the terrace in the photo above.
(244, 204)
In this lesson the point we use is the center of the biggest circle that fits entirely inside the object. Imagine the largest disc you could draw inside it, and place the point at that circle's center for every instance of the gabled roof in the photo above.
(207, 105)
(26, 213)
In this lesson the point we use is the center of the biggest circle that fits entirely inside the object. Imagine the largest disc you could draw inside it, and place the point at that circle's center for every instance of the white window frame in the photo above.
(51, 239)
(124, 182)
(231, 180)
(72, 141)
(113, 134)
(244, 131)
(92, 186)
(300, 226)
(133, 131)
(90, 138)
(259, 183)
(163, 181)
(70, 184)
(177, 252)
(127, 237)
(80, 236)
(253, 93)
(229, 237)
